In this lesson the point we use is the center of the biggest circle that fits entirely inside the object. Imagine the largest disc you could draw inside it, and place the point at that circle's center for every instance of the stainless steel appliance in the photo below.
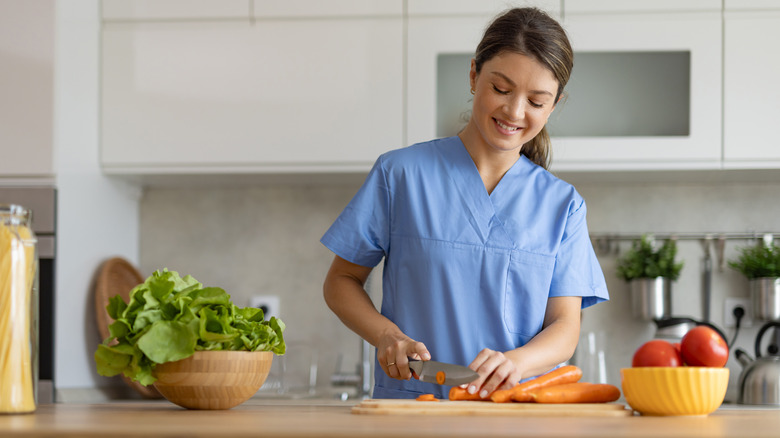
(759, 382)
(43, 203)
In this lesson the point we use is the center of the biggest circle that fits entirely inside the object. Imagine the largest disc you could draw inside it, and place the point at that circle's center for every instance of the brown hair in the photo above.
(530, 32)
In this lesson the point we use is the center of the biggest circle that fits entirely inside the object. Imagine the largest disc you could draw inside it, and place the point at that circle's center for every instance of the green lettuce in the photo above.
(169, 317)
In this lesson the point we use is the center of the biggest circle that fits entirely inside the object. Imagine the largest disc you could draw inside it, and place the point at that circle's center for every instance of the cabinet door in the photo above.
(698, 35)
(736, 5)
(619, 6)
(471, 7)
(284, 95)
(752, 91)
(27, 88)
(331, 8)
(141, 10)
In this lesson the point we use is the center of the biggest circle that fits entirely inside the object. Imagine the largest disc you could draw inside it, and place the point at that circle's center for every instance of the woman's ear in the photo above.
(473, 75)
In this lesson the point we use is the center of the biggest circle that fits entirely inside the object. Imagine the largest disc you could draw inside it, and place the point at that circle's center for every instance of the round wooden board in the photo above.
(118, 276)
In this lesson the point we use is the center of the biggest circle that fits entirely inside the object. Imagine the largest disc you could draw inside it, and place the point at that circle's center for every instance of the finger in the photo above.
(497, 378)
(480, 364)
(421, 351)
(402, 363)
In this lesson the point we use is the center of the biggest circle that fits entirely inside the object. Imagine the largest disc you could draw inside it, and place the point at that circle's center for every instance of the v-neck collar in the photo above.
(465, 176)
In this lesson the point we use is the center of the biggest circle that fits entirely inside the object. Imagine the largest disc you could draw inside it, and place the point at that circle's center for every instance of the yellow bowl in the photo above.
(674, 390)
(213, 379)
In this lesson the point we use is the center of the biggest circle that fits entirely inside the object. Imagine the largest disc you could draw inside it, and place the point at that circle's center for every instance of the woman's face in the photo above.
(513, 97)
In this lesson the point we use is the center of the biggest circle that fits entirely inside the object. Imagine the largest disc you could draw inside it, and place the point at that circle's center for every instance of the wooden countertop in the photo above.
(311, 419)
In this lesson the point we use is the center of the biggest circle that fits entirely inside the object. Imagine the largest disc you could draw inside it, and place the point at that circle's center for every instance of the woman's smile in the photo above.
(507, 128)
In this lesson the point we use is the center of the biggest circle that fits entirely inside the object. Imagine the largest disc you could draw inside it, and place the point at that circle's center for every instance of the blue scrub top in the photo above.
(465, 270)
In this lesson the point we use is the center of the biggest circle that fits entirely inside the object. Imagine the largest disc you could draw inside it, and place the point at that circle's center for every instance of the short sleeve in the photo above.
(577, 270)
(361, 233)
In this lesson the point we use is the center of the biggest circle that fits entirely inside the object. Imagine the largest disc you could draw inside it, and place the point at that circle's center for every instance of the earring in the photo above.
(473, 91)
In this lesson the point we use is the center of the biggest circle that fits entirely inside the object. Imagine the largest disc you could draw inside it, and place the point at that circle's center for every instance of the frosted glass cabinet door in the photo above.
(281, 95)
(752, 90)
(696, 36)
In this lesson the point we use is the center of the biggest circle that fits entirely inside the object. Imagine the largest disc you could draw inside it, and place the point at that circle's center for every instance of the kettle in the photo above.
(759, 382)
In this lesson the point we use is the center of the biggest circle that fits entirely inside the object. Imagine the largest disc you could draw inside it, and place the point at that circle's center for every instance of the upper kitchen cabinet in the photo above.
(645, 93)
(633, 6)
(442, 36)
(752, 92)
(471, 7)
(27, 89)
(141, 10)
(282, 92)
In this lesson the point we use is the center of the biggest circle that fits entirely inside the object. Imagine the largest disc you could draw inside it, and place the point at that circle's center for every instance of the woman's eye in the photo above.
(535, 105)
(500, 91)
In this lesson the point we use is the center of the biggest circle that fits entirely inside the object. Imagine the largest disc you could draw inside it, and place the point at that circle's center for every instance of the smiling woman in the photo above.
(474, 232)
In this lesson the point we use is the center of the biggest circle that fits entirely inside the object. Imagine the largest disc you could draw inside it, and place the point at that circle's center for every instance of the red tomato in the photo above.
(704, 347)
(656, 353)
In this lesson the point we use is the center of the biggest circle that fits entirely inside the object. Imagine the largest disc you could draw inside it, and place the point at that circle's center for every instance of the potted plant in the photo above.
(650, 271)
(761, 265)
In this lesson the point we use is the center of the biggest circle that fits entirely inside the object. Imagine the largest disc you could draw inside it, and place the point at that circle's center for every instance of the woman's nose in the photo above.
(515, 108)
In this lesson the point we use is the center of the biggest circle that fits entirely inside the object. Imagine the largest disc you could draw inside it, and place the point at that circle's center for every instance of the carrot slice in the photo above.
(578, 392)
(440, 376)
(521, 391)
(458, 393)
(427, 397)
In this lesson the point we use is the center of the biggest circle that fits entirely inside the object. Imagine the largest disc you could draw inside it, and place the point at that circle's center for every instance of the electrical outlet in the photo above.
(268, 303)
(729, 304)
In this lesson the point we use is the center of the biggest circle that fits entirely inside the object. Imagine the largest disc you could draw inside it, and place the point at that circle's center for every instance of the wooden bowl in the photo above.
(213, 379)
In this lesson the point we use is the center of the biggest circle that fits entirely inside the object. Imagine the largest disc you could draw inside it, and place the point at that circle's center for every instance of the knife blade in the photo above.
(452, 374)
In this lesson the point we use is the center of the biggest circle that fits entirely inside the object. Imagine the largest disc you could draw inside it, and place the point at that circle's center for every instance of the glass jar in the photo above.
(18, 311)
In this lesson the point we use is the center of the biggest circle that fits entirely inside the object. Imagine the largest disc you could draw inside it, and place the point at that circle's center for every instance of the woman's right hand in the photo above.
(393, 352)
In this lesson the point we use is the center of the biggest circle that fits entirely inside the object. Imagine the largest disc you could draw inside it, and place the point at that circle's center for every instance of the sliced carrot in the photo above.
(458, 393)
(427, 397)
(578, 392)
(521, 391)
(440, 376)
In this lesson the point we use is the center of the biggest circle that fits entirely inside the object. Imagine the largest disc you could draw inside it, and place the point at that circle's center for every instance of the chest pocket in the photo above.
(527, 289)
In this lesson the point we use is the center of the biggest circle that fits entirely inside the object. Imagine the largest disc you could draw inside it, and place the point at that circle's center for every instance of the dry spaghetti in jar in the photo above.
(18, 311)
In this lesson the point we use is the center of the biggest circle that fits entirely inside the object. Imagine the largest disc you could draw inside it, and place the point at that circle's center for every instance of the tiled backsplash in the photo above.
(264, 240)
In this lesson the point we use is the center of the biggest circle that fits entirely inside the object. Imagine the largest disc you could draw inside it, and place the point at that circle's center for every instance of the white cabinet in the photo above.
(27, 89)
(471, 7)
(438, 63)
(139, 10)
(623, 6)
(291, 94)
(747, 5)
(752, 91)
(695, 35)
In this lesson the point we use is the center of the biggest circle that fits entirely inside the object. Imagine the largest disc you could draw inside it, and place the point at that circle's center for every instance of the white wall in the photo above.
(97, 217)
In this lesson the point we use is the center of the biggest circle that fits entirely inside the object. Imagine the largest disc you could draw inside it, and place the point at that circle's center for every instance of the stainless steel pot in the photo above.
(765, 295)
(651, 298)
(759, 382)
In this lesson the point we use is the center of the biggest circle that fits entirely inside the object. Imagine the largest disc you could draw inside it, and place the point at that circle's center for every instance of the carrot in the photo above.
(458, 393)
(427, 397)
(578, 392)
(521, 391)
(440, 376)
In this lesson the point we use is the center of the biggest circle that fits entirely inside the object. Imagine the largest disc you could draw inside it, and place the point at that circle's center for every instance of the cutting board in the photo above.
(487, 408)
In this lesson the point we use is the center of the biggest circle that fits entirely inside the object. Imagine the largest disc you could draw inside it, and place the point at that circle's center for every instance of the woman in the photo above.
(487, 256)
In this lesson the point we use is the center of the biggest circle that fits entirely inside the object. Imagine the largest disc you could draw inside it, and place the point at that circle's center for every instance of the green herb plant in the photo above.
(643, 261)
(169, 317)
(758, 261)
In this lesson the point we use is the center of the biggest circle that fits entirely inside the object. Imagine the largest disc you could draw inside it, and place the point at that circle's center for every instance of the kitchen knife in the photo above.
(428, 370)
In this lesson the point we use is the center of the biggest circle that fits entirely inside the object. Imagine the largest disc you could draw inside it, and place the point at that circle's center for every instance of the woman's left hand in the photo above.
(496, 371)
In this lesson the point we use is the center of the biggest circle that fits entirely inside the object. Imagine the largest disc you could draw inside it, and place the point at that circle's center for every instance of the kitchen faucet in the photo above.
(361, 379)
